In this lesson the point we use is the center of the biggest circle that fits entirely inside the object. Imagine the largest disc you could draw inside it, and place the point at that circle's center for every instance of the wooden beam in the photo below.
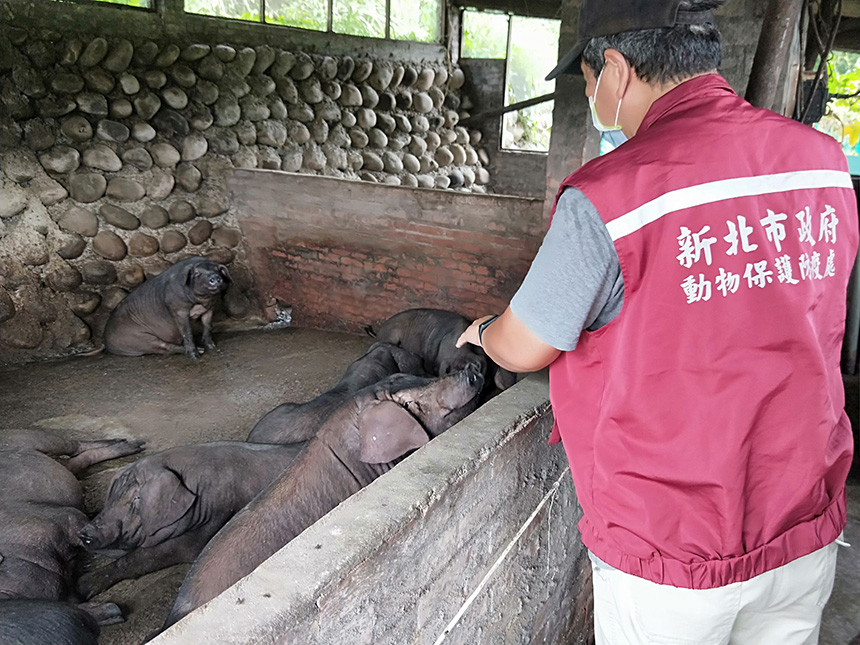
(771, 56)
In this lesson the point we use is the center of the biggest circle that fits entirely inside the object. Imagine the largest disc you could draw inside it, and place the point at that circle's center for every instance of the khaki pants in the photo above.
(780, 607)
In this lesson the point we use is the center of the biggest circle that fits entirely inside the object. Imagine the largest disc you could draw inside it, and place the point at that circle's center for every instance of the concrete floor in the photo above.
(172, 400)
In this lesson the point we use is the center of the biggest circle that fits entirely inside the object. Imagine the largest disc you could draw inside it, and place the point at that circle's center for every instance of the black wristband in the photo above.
(482, 327)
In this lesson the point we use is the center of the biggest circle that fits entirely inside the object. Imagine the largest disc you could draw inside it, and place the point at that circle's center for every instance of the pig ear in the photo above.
(168, 505)
(189, 273)
(386, 431)
(225, 273)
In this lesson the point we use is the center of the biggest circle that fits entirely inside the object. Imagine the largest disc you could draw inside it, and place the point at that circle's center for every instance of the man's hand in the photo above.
(471, 333)
(510, 343)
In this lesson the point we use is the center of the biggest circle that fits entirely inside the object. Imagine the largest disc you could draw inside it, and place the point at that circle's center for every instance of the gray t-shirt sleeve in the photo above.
(575, 281)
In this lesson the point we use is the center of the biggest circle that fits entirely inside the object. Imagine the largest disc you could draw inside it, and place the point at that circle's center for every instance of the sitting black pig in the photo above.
(156, 317)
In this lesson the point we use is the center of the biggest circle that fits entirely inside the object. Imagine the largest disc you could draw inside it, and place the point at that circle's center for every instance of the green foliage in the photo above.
(242, 9)
(359, 17)
(143, 4)
(485, 34)
(305, 14)
(843, 115)
(416, 20)
(534, 48)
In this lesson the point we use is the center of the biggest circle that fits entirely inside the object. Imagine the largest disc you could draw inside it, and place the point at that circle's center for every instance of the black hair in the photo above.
(667, 54)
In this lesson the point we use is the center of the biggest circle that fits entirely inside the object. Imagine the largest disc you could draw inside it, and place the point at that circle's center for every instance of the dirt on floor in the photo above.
(173, 400)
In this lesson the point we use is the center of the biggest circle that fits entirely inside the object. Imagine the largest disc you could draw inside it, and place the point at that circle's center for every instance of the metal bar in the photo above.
(262, 10)
(513, 107)
(329, 21)
(387, 19)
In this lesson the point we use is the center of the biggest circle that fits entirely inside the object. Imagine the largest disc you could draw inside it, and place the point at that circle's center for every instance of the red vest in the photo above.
(704, 425)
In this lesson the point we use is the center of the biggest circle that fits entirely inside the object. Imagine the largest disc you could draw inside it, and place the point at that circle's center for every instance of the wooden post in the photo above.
(771, 56)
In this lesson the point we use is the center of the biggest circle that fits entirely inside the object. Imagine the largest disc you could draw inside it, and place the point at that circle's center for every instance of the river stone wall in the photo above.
(114, 156)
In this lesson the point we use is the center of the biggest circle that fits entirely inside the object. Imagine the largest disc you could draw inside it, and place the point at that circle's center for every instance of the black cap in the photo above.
(606, 17)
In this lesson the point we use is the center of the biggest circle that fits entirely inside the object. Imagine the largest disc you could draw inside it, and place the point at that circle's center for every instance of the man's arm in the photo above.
(574, 283)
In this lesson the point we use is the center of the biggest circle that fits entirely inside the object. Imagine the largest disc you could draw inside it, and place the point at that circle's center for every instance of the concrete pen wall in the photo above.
(472, 539)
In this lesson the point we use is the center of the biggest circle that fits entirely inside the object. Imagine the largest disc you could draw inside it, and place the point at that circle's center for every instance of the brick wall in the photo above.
(344, 254)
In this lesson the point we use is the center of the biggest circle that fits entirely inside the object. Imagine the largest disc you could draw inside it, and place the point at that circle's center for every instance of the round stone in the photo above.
(387, 102)
(137, 157)
(21, 332)
(142, 132)
(254, 108)
(244, 61)
(94, 104)
(277, 109)
(409, 180)
(188, 177)
(183, 76)
(471, 156)
(292, 160)
(359, 138)
(227, 111)
(314, 158)
(109, 245)
(303, 68)
(205, 92)
(451, 118)
(200, 232)
(264, 57)
(160, 184)
(271, 133)
(246, 133)
(284, 62)
(301, 113)
(456, 79)
(155, 79)
(425, 79)
(482, 177)
(171, 123)
(362, 70)
(262, 86)
(120, 109)
(167, 56)
(298, 133)
(99, 80)
(194, 146)
(381, 77)
(345, 68)
(7, 306)
(350, 96)
(391, 162)
(410, 163)
(61, 159)
(221, 256)
(420, 124)
(398, 141)
(365, 175)
(421, 102)
(310, 91)
(60, 276)
(131, 275)
(154, 216)
(65, 83)
(377, 138)
(165, 155)
(155, 267)
(69, 246)
(145, 53)
(372, 161)
(319, 131)
(436, 96)
(77, 128)
(78, 220)
(212, 204)
(348, 120)
(332, 89)
(120, 58)
(442, 181)
(40, 135)
(433, 141)
(175, 97)
(50, 107)
(112, 297)
(112, 131)
(98, 272)
(456, 179)
(327, 68)
(443, 156)
(147, 105)
(142, 245)
(125, 190)
(386, 123)
(94, 52)
(224, 53)
(428, 164)
(194, 52)
(72, 52)
(201, 117)
(119, 217)
(181, 211)
(459, 154)
(102, 157)
(369, 96)
(236, 303)
(222, 141)
(83, 303)
(335, 156)
(441, 77)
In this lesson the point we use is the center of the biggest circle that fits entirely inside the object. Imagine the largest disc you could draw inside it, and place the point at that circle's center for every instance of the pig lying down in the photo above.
(363, 438)
(81, 454)
(164, 508)
(41, 512)
(45, 622)
(156, 317)
(291, 422)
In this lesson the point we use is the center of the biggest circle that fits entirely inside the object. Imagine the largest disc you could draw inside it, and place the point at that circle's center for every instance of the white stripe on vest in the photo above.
(716, 191)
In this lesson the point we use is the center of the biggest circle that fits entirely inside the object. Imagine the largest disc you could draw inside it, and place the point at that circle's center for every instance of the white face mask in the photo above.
(596, 119)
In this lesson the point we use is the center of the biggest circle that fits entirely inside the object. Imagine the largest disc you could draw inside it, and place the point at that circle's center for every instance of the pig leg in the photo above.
(183, 321)
(206, 319)
(104, 613)
(93, 452)
(180, 550)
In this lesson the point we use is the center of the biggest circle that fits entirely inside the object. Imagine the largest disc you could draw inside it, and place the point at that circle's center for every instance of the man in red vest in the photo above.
(689, 298)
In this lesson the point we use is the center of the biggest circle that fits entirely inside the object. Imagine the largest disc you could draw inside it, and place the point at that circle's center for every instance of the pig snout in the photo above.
(474, 376)
(95, 536)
